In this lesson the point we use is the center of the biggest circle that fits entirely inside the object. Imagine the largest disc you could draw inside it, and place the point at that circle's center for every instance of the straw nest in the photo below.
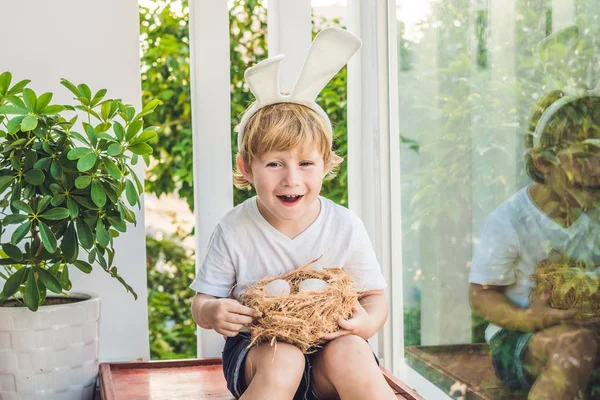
(301, 318)
(571, 283)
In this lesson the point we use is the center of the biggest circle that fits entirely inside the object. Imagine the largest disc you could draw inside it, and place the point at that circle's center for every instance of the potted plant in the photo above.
(66, 191)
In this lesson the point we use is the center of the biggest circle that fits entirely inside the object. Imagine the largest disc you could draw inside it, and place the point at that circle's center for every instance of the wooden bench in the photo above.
(185, 380)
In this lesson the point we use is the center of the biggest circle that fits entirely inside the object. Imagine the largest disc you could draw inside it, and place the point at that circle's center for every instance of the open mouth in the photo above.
(290, 200)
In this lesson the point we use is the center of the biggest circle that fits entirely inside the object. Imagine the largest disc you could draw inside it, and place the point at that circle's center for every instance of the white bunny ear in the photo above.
(263, 80)
(330, 51)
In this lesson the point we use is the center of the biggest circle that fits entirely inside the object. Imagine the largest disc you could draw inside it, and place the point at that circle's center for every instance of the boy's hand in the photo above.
(351, 326)
(540, 315)
(228, 316)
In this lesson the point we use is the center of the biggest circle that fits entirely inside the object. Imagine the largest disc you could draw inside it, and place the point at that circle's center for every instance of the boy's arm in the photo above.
(490, 303)
(226, 316)
(368, 316)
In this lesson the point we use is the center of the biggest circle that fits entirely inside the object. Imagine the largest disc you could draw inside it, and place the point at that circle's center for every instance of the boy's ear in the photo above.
(246, 172)
(541, 163)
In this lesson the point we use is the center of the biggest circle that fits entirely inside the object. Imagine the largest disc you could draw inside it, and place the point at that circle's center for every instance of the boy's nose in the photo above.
(292, 177)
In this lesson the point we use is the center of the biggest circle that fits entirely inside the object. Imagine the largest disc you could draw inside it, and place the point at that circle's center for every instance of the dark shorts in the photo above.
(508, 348)
(234, 360)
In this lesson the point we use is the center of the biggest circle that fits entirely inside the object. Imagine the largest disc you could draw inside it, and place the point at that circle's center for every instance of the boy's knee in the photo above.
(282, 364)
(349, 349)
(578, 342)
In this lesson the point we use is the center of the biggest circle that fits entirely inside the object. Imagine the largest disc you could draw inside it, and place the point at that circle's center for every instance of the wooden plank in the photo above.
(185, 380)
(451, 366)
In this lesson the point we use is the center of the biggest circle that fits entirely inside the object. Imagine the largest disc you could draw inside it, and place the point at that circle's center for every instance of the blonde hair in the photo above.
(574, 122)
(281, 127)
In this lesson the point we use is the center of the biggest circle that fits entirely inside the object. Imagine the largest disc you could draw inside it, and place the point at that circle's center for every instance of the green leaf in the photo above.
(84, 91)
(42, 163)
(17, 102)
(14, 125)
(102, 236)
(69, 86)
(83, 181)
(131, 193)
(42, 102)
(145, 136)
(52, 110)
(32, 294)
(112, 168)
(133, 129)
(29, 123)
(22, 206)
(119, 131)
(14, 219)
(56, 214)
(98, 194)
(117, 224)
(140, 148)
(72, 207)
(87, 162)
(78, 152)
(56, 170)
(13, 282)
(43, 203)
(9, 110)
(65, 282)
(5, 79)
(48, 238)
(20, 232)
(98, 96)
(5, 182)
(150, 106)
(91, 133)
(114, 149)
(85, 234)
(30, 99)
(17, 88)
(58, 199)
(49, 280)
(12, 251)
(83, 266)
(34, 176)
(69, 242)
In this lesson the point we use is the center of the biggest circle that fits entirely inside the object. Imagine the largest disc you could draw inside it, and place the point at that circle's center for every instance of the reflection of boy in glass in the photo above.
(533, 345)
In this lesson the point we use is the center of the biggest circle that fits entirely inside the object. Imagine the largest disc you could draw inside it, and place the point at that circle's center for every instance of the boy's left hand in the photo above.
(352, 326)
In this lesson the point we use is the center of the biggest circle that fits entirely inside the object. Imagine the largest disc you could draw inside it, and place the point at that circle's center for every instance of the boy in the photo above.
(285, 151)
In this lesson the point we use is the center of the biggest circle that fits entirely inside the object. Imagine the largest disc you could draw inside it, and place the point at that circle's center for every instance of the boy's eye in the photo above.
(272, 164)
(306, 163)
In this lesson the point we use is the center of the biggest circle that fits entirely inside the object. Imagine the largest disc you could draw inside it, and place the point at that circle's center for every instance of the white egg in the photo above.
(276, 288)
(308, 285)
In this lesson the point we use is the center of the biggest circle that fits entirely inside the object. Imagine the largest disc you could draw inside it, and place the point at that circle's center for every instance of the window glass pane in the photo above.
(490, 204)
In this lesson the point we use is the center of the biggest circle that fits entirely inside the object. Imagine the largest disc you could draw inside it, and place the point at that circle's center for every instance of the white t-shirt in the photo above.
(245, 248)
(517, 235)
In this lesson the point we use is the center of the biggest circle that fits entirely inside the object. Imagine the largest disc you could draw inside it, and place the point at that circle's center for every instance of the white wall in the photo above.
(97, 43)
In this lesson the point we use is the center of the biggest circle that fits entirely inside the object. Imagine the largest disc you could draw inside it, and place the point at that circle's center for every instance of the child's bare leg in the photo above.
(562, 358)
(346, 369)
(273, 372)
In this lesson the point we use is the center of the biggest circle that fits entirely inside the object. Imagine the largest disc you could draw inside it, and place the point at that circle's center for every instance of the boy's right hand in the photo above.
(228, 316)
(541, 315)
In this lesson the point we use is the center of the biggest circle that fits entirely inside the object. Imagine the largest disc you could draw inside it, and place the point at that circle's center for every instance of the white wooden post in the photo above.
(369, 141)
(97, 43)
(210, 93)
(563, 14)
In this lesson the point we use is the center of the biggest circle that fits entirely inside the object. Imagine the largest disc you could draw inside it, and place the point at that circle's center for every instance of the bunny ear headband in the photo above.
(574, 79)
(329, 52)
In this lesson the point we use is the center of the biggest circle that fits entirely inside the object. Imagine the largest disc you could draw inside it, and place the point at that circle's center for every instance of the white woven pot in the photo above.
(51, 353)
